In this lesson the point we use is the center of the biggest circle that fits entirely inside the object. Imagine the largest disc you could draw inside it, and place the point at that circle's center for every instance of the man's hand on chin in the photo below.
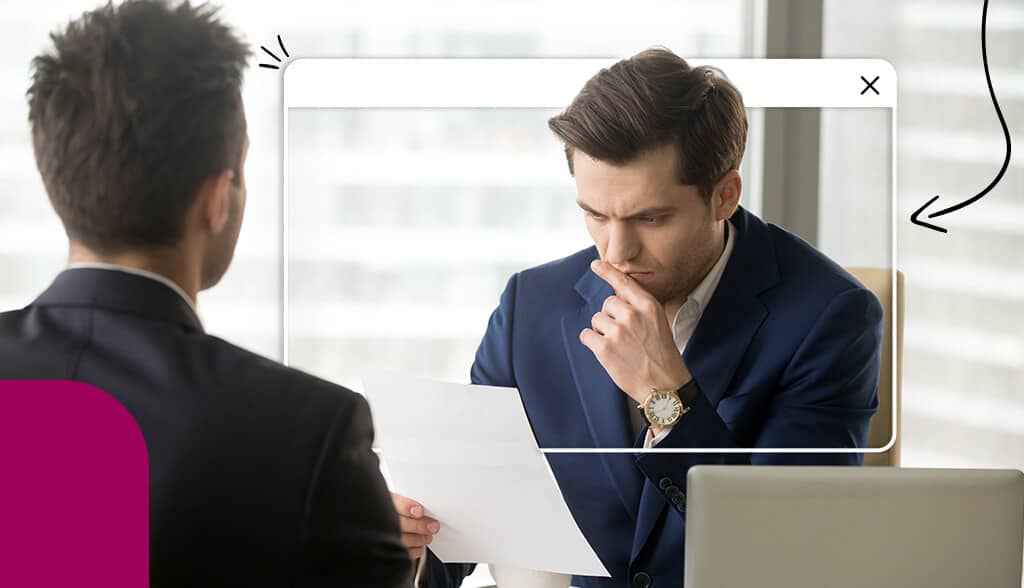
(632, 340)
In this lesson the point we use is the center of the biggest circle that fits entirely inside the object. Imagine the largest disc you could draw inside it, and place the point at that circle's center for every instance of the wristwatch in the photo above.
(664, 408)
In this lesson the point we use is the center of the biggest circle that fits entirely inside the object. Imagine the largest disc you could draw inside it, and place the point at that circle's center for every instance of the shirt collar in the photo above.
(141, 273)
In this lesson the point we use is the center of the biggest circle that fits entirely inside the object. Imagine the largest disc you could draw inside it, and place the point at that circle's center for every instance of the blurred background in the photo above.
(405, 224)
(468, 197)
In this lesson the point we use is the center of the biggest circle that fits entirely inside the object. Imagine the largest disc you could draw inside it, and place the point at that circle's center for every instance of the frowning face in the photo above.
(648, 225)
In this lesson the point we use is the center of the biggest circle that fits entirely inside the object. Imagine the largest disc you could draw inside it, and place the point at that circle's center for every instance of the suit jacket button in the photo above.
(664, 483)
(641, 580)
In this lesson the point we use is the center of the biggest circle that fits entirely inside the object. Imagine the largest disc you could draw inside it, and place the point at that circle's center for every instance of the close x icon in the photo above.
(870, 86)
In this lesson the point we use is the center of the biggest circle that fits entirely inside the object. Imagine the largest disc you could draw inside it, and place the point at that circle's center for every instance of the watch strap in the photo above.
(688, 393)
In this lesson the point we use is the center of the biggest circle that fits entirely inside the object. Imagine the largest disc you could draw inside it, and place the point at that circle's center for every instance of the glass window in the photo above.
(964, 347)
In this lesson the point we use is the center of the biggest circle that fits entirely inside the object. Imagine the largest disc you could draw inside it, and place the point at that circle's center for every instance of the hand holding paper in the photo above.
(418, 530)
(468, 455)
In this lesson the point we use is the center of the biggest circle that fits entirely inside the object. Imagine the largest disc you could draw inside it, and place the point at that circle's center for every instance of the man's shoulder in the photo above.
(248, 370)
(803, 266)
(810, 281)
(40, 342)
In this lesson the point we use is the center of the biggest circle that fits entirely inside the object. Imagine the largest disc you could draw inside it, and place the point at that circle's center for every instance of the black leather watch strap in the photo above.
(688, 393)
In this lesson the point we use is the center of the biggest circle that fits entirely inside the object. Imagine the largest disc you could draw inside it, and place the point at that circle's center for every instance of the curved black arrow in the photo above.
(1006, 135)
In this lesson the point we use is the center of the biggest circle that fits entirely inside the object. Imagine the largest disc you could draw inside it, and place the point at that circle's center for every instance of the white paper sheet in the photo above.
(468, 454)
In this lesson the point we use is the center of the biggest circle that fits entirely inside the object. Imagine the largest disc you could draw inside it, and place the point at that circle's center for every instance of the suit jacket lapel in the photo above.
(603, 403)
(735, 311)
(721, 339)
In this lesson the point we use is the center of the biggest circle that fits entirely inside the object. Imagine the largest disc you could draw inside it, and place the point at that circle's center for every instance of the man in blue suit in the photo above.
(690, 324)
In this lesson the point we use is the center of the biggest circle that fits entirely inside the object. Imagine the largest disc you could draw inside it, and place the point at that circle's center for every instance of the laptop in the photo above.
(849, 527)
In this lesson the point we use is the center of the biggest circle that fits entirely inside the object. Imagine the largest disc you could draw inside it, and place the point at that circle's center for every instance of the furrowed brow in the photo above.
(654, 211)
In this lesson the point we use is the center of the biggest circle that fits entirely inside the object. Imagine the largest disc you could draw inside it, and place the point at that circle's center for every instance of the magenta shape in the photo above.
(74, 488)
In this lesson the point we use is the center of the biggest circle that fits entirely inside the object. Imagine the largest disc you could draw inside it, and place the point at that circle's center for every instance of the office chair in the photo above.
(879, 281)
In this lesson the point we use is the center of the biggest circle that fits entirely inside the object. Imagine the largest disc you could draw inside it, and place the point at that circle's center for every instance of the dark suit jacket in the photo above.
(786, 355)
(260, 475)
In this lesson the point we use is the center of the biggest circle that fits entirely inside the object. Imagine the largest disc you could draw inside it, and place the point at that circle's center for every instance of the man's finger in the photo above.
(424, 526)
(604, 324)
(593, 341)
(417, 552)
(616, 308)
(414, 540)
(625, 287)
(407, 507)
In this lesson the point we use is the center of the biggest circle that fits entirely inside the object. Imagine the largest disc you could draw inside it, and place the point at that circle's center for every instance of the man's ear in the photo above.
(215, 200)
(725, 198)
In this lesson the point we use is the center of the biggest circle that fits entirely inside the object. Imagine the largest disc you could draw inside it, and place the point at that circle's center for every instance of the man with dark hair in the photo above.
(260, 475)
(690, 324)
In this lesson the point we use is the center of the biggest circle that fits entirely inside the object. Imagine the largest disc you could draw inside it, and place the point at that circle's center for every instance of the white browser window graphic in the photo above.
(414, 188)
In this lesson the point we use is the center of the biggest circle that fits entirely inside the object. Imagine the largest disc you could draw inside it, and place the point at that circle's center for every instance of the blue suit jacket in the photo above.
(786, 354)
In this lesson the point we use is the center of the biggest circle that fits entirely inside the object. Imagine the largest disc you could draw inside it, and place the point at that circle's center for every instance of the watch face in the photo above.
(664, 409)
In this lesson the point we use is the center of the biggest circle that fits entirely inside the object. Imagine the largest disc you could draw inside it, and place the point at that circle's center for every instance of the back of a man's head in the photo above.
(135, 106)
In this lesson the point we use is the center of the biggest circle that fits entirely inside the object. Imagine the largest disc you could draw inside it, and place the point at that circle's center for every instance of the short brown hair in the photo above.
(135, 106)
(653, 99)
